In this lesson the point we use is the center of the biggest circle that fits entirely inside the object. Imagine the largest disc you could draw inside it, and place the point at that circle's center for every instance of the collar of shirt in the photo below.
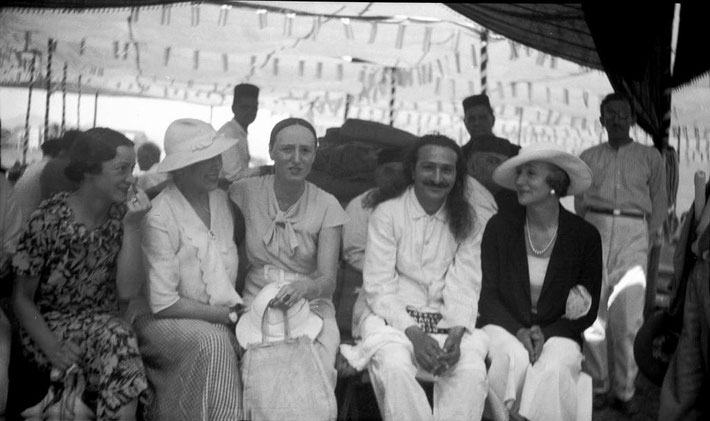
(239, 126)
(417, 211)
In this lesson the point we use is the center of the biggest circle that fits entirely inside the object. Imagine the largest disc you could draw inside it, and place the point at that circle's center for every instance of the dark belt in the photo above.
(617, 212)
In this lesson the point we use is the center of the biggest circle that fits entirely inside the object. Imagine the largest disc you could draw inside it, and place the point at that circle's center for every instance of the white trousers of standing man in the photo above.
(459, 394)
(609, 342)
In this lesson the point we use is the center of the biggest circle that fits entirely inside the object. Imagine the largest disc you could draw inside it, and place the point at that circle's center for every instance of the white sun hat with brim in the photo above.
(189, 141)
(580, 175)
(301, 320)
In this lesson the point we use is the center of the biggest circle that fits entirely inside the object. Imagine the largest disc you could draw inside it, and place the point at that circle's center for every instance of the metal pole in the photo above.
(78, 105)
(64, 97)
(50, 51)
(96, 106)
(393, 86)
(26, 140)
(484, 61)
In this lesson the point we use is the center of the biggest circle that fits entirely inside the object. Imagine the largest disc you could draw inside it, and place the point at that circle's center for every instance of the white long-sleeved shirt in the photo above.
(481, 199)
(412, 259)
(355, 232)
(235, 160)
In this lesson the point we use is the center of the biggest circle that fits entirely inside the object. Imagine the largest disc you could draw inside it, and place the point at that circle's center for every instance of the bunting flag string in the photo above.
(261, 13)
(223, 15)
(513, 50)
(196, 60)
(288, 24)
(225, 62)
(348, 28)
(195, 15)
(400, 36)
(316, 28)
(302, 67)
(427, 39)
(373, 33)
(165, 15)
(474, 61)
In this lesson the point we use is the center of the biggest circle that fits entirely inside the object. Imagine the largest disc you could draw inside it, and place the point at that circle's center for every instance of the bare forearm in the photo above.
(320, 285)
(33, 322)
(186, 308)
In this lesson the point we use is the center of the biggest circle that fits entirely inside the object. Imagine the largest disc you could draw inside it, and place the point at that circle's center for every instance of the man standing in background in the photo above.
(235, 161)
(627, 203)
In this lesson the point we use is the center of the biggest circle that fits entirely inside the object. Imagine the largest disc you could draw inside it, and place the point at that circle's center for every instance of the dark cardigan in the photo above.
(505, 295)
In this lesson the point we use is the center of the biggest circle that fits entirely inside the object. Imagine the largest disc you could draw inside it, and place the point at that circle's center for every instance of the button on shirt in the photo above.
(412, 259)
(631, 179)
(235, 160)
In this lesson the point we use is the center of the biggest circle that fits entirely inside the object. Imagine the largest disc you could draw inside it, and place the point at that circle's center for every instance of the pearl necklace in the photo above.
(530, 242)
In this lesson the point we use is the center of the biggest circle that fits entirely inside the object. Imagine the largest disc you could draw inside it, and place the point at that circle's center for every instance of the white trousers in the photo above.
(621, 305)
(546, 390)
(459, 394)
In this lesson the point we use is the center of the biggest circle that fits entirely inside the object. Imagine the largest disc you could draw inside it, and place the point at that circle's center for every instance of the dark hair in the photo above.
(50, 147)
(616, 96)
(460, 213)
(558, 180)
(149, 149)
(90, 149)
(288, 122)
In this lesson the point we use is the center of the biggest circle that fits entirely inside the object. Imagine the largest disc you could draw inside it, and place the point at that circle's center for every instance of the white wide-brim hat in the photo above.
(189, 141)
(301, 320)
(580, 176)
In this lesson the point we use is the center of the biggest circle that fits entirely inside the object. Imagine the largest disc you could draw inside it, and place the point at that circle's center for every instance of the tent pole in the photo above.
(26, 140)
(50, 51)
(393, 88)
(348, 99)
(64, 98)
(96, 106)
(484, 61)
(78, 104)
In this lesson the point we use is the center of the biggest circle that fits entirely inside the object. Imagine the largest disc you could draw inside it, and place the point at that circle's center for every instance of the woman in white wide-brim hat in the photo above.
(188, 342)
(542, 271)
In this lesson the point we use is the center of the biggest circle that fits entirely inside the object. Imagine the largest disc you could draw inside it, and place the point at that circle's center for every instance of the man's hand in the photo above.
(452, 349)
(426, 350)
(538, 340)
(523, 336)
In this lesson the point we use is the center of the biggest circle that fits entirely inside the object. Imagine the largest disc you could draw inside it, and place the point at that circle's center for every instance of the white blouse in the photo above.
(183, 258)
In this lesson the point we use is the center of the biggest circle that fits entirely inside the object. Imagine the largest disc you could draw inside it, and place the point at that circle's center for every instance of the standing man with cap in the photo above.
(235, 161)
(627, 203)
(485, 152)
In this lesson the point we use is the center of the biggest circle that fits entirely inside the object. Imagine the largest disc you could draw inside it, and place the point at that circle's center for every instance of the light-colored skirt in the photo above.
(193, 369)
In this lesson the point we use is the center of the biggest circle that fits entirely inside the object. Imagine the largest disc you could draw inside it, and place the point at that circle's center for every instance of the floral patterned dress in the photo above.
(77, 298)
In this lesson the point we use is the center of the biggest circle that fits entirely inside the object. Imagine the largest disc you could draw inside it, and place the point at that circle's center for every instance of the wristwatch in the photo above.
(233, 316)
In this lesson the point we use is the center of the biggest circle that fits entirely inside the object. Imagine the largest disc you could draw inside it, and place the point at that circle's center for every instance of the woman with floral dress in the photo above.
(78, 255)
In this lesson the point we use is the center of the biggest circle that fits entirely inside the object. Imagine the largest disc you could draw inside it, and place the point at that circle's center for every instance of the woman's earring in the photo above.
(552, 192)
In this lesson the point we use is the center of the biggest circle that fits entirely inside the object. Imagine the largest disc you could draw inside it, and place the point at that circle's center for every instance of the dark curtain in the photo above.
(634, 49)
(556, 29)
(692, 51)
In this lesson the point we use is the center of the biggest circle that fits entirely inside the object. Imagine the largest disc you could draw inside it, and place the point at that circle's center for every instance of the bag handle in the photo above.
(265, 323)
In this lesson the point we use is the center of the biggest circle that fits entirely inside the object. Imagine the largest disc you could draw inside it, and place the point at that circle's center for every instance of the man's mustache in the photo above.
(441, 185)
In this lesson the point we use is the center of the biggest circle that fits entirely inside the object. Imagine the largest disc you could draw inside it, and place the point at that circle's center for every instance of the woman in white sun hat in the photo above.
(542, 274)
(188, 342)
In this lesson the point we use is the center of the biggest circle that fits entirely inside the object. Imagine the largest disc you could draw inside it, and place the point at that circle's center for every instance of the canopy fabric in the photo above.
(557, 29)
(307, 57)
